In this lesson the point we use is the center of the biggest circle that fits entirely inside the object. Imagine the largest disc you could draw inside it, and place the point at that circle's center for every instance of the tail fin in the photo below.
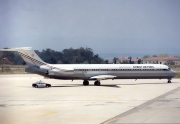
(29, 56)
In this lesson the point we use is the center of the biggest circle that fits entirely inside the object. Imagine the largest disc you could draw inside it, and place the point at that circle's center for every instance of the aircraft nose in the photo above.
(174, 73)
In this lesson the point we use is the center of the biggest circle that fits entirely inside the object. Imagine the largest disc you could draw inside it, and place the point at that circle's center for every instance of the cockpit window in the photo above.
(169, 69)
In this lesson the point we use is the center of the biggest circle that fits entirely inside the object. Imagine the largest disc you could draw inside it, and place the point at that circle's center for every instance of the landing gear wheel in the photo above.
(169, 81)
(97, 83)
(85, 82)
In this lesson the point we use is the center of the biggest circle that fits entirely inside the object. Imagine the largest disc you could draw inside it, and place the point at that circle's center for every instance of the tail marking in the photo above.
(32, 59)
(36, 61)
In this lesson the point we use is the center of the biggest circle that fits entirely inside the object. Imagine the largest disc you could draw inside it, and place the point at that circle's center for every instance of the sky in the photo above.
(109, 27)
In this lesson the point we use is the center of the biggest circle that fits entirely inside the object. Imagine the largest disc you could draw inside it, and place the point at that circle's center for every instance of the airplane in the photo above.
(87, 72)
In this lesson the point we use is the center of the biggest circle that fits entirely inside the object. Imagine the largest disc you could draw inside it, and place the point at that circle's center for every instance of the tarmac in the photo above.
(69, 102)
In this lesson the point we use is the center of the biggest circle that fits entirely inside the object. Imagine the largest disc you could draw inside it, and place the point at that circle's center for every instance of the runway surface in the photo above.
(66, 102)
(163, 109)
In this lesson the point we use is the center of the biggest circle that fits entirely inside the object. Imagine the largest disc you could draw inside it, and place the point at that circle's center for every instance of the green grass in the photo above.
(13, 72)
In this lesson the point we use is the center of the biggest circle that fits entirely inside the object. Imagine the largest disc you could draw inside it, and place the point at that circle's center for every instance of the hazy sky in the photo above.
(106, 26)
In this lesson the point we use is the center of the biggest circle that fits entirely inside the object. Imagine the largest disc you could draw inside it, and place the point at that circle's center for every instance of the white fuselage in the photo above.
(119, 71)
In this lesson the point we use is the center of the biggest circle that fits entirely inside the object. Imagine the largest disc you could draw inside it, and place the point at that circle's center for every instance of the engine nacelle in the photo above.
(44, 67)
(52, 72)
(62, 71)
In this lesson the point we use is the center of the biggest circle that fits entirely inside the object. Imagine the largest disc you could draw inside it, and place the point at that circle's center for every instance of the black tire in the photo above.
(97, 83)
(48, 85)
(85, 82)
(169, 82)
(36, 86)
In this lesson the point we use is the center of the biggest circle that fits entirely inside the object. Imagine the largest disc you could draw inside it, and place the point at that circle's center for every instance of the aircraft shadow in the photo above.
(106, 85)
(110, 85)
(65, 86)
(147, 83)
(80, 85)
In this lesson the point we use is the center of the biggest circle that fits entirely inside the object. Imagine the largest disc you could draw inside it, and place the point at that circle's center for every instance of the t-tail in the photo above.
(36, 64)
(29, 56)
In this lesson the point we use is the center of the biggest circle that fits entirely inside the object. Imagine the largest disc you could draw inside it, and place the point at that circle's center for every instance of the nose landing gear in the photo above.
(169, 81)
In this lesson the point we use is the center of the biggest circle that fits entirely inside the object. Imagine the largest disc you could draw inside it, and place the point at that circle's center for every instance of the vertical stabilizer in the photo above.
(29, 56)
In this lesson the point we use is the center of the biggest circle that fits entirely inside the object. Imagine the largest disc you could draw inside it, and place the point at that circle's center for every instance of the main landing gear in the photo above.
(96, 83)
(85, 82)
(169, 81)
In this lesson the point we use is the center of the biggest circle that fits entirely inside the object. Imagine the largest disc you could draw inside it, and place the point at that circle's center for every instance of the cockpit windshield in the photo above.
(169, 69)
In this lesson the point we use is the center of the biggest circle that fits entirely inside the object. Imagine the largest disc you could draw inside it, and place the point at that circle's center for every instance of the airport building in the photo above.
(127, 60)
(162, 60)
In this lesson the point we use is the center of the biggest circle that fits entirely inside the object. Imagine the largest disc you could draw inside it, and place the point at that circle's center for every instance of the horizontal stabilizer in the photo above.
(16, 49)
(28, 54)
(103, 77)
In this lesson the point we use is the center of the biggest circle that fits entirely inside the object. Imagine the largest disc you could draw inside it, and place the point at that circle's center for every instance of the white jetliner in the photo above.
(95, 72)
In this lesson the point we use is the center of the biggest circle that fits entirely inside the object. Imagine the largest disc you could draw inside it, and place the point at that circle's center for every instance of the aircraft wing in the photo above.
(103, 77)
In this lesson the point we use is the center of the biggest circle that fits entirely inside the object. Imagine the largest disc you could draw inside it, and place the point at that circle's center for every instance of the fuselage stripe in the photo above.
(36, 61)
